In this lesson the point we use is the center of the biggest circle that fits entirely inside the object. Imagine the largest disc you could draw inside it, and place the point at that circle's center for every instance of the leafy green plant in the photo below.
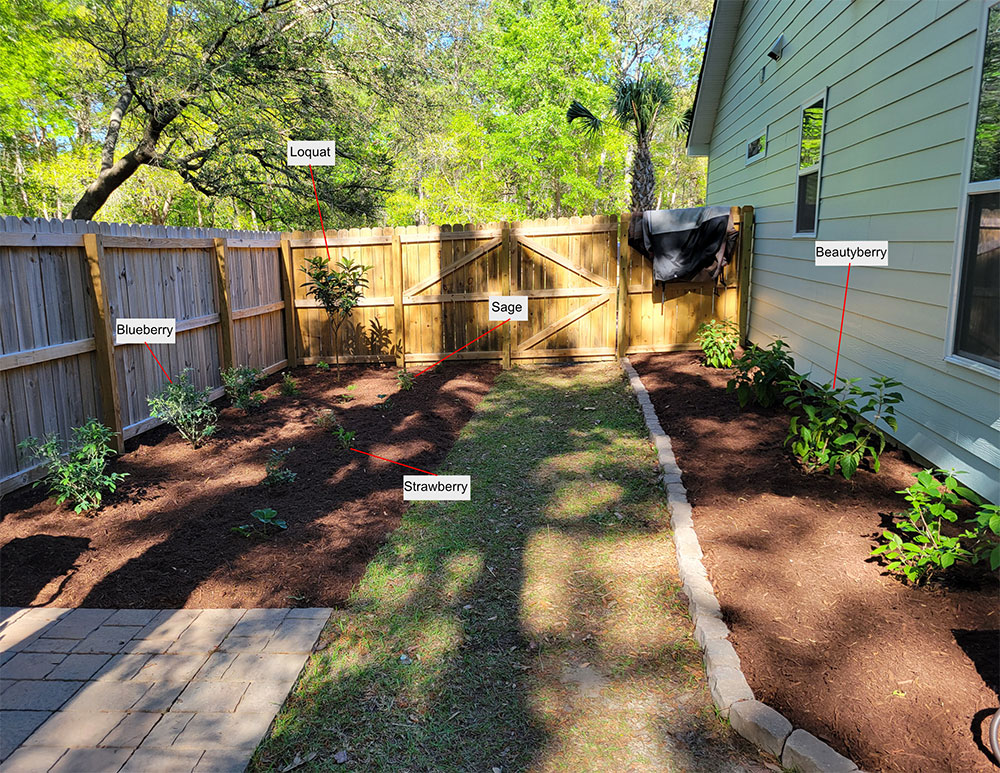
(186, 408)
(338, 289)
(830, 428)
(759, 373)
(718, 340)
(323, 365)
(918, 550)
(81, 475)
(240, 383)
(405, 379)
(327, 420)
(276, 472)
(266, 517)
(346, 438)
(386, 403)
(289, 387)
(345, 398)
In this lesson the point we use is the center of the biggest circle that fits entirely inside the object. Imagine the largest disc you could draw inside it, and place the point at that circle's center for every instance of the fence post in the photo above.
(506, 249)
(624, 271)
(225, 307)
(290, 315)
(397, 298)
(746, 258)
(104, 341)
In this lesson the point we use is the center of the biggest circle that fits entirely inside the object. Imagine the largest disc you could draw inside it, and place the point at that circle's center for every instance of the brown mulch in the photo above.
(164, 539)
(897, 678)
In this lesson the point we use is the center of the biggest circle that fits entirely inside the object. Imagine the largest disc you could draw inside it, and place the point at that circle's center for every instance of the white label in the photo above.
(145, 331)
(512, 307)
(437, 487)
(852, 253)
(314, 152)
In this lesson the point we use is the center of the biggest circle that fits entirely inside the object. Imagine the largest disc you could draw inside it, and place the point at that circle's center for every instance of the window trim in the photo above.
(968, 189)
(746, 148)
(822, 96)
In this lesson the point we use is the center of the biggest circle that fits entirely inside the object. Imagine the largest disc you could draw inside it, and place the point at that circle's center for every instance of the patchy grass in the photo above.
(539, 626)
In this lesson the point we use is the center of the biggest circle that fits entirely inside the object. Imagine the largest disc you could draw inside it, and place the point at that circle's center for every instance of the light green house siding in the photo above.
(900, 82)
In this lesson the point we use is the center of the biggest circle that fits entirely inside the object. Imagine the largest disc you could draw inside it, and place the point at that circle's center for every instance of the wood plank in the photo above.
(555, 257)
(40, 240)
(746, 261)
(256, 311)
(460, 235)
(566, 229)
(111, 413)
(265, 243)
(312, 303)
(399, 318)
(604, 351)
(562, 322)
(505, 266)
(478, 252)
(45, 354)
(290, 317)
(225, 308)
(624, 266)
(340, 241)
(155, 242)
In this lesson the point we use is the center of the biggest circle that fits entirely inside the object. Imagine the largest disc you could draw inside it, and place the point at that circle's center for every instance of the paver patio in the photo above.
(104, 690)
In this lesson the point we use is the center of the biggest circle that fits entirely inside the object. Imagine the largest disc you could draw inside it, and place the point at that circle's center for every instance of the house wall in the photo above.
(901, 87)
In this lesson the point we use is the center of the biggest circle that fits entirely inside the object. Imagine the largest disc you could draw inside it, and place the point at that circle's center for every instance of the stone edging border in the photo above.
(755, 721)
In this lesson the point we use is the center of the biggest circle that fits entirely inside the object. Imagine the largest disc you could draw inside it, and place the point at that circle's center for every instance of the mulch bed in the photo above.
(164, 539)
(895, 677)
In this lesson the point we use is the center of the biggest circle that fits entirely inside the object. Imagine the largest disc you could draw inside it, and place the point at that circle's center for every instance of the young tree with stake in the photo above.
(338, 290)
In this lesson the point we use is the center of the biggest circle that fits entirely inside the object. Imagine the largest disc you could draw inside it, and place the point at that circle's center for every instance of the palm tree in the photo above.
(636, 106)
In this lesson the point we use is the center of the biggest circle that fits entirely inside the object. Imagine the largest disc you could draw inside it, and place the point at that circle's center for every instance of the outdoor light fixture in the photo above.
(775, 52)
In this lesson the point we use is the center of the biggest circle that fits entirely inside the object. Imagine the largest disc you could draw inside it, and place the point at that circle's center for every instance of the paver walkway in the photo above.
(104, 690)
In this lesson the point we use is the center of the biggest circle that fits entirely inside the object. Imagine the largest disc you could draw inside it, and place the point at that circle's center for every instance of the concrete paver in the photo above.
(145, 690)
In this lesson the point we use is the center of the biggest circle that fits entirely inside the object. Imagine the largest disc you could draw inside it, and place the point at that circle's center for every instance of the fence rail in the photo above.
(238, 298)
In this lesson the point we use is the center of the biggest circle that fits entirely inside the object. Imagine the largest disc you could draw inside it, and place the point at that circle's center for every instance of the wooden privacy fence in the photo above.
(238, 298)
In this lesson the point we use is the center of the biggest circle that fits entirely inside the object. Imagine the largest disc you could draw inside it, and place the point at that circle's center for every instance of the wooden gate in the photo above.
(567, 270)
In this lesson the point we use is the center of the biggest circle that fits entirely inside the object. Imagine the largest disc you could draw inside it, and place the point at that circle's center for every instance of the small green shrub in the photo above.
(289, 387)
(185, 408)
(81, 475)
(345, 398)
(240, 383)
(346, 438)
(323, 365)
(405, 379)
(328, 421)
(718, 341)
(918, 550)
(386, 403)
(830, 429)
(759, 373)
(277, 473)
(267, 518)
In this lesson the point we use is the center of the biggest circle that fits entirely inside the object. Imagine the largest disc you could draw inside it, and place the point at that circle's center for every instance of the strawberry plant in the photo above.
(405, 379)
(718, 341)
(276, 474)
(80, 475)
(830, 428)
(918, 549)
(266, 517)
(186, 408)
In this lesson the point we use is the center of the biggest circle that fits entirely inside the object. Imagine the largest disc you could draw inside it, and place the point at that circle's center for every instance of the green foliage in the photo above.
(240, 383)
(405, 379)
(186, 408)
(277, 473)
(289, 387)
(918, 549)
(759, 373)
(338, 289)
(346, 438)
(328, 420)
(80, 476)
(718, 341)
(836, 428)
(266, 517)
(323, 365)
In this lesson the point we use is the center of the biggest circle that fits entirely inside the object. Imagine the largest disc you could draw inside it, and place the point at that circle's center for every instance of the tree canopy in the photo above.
(178, 111)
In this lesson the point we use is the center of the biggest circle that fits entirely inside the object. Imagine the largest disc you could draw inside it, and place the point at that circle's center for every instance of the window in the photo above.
(810, 157)
(977, 318)
(757, 148)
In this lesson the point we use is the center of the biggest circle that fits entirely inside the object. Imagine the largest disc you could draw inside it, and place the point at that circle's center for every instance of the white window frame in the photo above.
(822, 96)
(968, 188)
(746, 148)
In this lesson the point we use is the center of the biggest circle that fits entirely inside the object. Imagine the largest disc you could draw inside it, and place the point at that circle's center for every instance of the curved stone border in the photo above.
(755, 721)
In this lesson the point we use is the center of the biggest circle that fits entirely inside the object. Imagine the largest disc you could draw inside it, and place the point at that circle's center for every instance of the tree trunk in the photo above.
(114, 126)
(643, 185)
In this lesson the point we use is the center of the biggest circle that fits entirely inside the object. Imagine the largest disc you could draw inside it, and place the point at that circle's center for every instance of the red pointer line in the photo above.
(313, 176)
(842, 312)
(392, 462)
(460, 349)
(158, 363)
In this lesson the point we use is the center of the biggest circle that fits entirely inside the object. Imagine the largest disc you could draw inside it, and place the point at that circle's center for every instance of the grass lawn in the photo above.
(539, 626)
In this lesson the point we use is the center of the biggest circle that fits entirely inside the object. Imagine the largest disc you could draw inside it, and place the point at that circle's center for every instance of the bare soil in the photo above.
(895, 677)
(164, 539)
